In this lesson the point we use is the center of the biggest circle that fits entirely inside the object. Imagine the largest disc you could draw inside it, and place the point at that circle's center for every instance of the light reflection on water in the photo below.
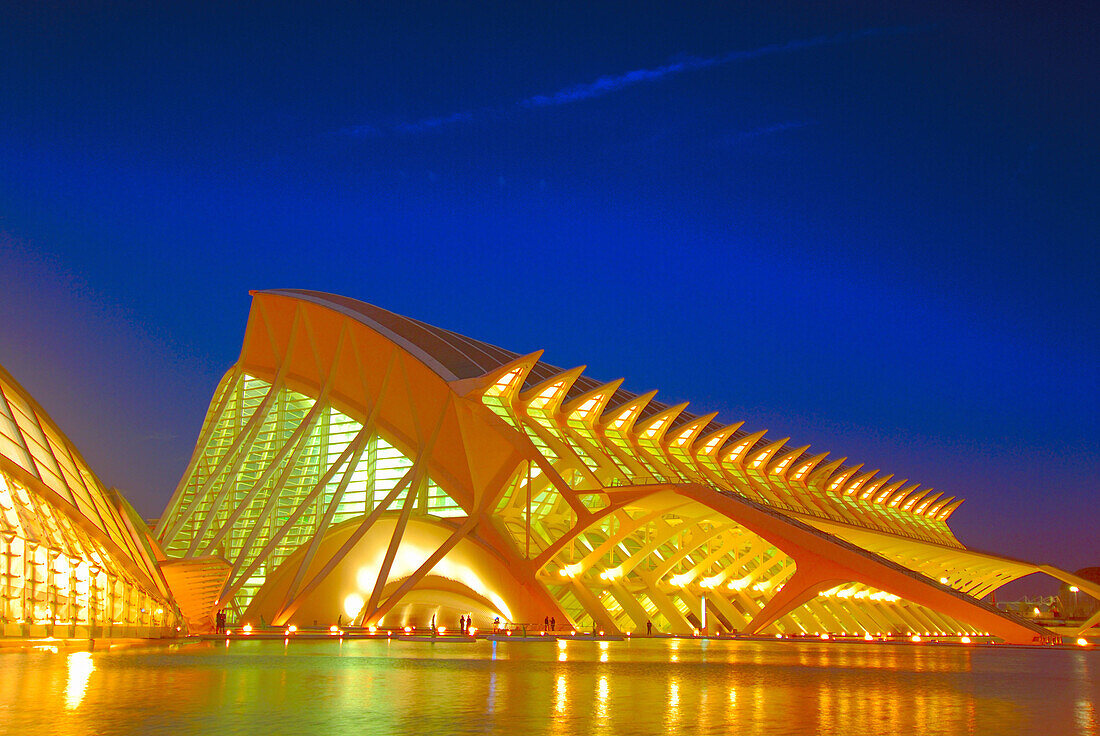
(80, 669)
(641, 686)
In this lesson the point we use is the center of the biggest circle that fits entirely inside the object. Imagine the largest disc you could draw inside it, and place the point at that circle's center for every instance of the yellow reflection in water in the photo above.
(602, 692)
(808, 688)
(1085, 714)
(80, 669)
(825, 703)
(672, 708)
(491, 698)
(1084, 711)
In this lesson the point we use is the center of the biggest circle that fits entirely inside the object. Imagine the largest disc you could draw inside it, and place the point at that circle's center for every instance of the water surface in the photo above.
(578, 687)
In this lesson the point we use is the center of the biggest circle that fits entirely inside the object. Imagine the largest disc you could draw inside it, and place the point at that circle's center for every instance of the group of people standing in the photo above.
(465, 623)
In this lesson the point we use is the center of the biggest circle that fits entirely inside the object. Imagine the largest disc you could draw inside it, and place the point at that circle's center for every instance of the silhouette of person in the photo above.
(649, 628)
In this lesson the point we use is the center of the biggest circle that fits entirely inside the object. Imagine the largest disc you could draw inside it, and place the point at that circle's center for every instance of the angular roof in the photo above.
(454, 356)
(31, 442)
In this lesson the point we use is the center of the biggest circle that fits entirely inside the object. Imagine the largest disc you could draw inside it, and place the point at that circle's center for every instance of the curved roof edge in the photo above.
(454, 357)
(449, 354)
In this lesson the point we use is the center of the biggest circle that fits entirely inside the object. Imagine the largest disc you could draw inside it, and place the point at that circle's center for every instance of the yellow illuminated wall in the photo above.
(278, 470)
(74, 558)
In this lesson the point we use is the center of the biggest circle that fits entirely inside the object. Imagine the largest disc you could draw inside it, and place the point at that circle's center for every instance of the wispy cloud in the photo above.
(429, 123)
(613, 83)
(763, 130)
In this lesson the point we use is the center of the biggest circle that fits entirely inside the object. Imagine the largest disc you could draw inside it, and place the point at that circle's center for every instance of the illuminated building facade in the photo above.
(358, 464)
(75, 559)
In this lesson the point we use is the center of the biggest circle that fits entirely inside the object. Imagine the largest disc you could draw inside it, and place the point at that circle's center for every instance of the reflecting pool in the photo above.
(571, 687)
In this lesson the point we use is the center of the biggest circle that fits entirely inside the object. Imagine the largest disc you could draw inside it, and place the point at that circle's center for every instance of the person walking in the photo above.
(649, 628)
(552, 623)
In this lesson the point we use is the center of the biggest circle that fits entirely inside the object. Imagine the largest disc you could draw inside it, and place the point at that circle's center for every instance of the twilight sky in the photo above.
(873, 229)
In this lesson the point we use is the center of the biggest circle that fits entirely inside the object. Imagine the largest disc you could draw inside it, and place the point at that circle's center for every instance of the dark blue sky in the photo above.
(871, 228)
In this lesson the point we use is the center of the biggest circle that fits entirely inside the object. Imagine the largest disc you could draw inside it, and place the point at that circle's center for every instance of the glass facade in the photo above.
(277, 470)
(73, 560)
(639, 567)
